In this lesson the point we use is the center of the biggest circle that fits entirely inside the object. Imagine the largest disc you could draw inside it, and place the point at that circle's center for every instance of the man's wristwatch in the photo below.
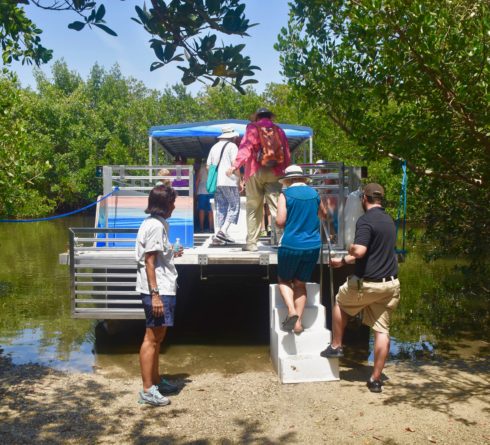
(154, 290)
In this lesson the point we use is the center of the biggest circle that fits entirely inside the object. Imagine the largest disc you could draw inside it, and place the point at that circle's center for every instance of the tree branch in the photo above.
(448, 95)
(421, 171)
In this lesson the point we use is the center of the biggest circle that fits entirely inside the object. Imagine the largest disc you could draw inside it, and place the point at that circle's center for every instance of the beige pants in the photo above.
(262, 185)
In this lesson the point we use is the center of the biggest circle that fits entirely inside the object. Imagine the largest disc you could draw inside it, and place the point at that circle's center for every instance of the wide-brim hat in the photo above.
(293, 172)
(228, 132)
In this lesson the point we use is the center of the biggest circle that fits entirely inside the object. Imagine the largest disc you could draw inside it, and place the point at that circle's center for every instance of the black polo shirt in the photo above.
(376, 230)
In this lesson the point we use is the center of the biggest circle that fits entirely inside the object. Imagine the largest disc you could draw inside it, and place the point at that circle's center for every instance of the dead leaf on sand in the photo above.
(409, 428)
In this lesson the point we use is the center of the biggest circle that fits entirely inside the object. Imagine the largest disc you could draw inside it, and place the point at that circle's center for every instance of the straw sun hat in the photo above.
(294, 172)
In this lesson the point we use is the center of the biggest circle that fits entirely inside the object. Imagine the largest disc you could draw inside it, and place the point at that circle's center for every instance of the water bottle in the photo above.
(177, 245)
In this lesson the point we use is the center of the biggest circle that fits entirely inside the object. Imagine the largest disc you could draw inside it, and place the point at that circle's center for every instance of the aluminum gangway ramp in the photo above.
(296, 358)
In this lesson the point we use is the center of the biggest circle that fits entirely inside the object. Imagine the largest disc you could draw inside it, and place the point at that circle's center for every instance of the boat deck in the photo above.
(203, 253)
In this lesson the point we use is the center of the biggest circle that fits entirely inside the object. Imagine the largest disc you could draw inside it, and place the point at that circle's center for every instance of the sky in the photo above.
(131, 50)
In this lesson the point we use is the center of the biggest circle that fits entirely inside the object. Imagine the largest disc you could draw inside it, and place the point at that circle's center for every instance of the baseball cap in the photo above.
(374, 190)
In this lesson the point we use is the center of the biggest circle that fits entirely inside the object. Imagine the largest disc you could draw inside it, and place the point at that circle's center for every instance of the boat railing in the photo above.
(103, 274)
(334, 181)
(142, 178)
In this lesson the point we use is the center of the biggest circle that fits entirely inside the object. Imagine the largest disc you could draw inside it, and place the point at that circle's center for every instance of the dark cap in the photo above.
(263, 110)
(374, 190)
(262, 113)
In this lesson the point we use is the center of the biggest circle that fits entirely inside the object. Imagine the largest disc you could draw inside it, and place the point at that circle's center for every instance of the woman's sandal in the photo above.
(289, 322)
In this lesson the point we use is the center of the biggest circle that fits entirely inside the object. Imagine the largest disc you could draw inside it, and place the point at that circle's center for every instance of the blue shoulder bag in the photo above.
(213, 174)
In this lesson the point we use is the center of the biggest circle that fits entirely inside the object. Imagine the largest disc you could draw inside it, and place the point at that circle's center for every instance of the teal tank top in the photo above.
(302, 230)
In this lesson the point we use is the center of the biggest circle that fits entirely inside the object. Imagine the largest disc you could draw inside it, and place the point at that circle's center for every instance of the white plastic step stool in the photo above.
(296, 358)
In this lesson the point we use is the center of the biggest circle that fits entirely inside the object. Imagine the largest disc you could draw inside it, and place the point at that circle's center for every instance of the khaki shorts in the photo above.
(377, 300)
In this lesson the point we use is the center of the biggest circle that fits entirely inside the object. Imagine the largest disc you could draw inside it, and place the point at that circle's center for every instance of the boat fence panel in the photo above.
(334, 181)
(126, 208)
(103, 274)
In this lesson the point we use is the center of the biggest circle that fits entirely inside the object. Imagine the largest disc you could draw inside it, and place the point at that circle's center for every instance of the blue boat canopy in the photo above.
(194, 140)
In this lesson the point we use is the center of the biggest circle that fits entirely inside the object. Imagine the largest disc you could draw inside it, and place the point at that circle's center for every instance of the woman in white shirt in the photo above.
(227, 195)
(156, 281)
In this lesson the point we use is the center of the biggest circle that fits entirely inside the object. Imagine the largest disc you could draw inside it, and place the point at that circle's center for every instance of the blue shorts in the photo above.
(168, 311)
(296, 264)
(203, 202)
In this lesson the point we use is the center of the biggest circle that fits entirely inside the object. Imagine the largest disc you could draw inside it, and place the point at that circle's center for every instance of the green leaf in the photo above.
(106, 29)
(143, 15)
(188, 79)
(169, 51)
(77, 26)
(91, 17)
(159, 52)
(99, 15)
(239, 89)
(239, 10)
(213, 6)
(155, 65)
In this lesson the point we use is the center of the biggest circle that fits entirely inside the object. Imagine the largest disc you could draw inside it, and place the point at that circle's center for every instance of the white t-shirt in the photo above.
(153, 237)
(229, 156)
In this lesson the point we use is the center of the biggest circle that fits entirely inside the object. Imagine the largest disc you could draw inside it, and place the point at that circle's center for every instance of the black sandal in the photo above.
(289, 322)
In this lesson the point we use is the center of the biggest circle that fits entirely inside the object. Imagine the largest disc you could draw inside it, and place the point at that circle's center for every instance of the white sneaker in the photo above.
(153, 397)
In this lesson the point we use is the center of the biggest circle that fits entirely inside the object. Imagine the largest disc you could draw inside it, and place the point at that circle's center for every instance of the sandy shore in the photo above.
(446, 402)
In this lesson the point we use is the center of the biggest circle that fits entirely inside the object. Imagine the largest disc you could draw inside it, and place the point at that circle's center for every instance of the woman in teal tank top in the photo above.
(298, 210)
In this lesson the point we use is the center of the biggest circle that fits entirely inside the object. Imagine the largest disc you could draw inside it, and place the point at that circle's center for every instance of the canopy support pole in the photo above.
(150, 157)
(311, 149)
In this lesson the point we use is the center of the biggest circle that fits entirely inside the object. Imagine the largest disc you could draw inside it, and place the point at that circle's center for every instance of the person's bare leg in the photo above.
(339, 322)
(299, 302)
(211, 221)
(147, 355)
(381, 351)
(201, 220)
(287, 293)
(156, 371)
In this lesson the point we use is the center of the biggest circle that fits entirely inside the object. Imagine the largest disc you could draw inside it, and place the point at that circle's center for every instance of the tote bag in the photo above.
(213, 174)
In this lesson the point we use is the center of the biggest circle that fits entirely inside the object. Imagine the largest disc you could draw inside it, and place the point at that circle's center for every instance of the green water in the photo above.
(35, 322)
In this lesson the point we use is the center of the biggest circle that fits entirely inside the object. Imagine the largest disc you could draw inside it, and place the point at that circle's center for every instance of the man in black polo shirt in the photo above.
(374, 288)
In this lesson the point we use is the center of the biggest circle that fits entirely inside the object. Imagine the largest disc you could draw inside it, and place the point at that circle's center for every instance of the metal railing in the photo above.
(333, 182)
(142, 178)
(103, 274)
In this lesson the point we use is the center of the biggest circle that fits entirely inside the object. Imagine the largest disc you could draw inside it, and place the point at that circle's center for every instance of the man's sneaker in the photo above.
(374, 385)
(153, 397)
(250, 248)
(223, 237)
(332, 353)
(165, 387)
